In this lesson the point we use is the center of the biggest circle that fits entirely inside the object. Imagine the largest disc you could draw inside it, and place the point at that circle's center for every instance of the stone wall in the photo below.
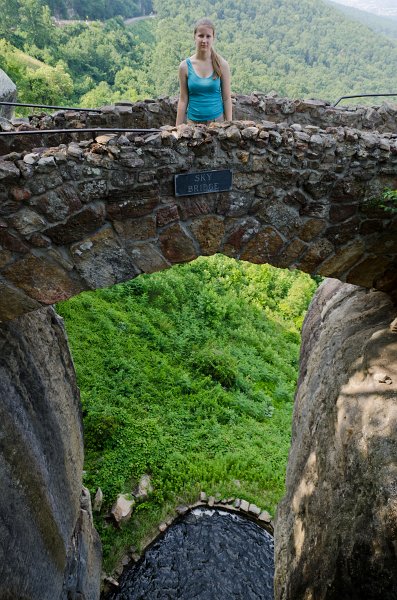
(162, 111)
(49, 549)
(94, 213)
(8, 93)
(336, 528)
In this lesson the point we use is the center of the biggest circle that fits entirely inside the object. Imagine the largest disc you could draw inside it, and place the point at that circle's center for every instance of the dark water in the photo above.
(207, 555)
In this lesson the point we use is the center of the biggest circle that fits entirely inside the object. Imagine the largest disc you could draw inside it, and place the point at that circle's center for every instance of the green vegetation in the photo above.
(300, 48)
(91, 9)
(103, 59)
(388, 201)
(37, 82)
(187, 375)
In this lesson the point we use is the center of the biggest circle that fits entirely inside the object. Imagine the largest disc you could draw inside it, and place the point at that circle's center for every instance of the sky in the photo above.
(378, 7)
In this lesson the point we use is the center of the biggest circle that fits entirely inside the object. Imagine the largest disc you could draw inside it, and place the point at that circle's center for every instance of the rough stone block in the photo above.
(194, 206)
(26, 222)
(93, 190)
(167, 214)
(208, 231)
(148, 258)
(122, 509)
(14, 303)
(78, 226)
(58, 205)
(42, 280)
(10, 242)
(8, 171)
(367, 271)
(343, 259)
(311, 228)
(254, 510)
(265, 517)
(315, 255)
(263, 246)
(176, 245)
(135, 204)
(131, 230)
(244, 505)
(101, 261)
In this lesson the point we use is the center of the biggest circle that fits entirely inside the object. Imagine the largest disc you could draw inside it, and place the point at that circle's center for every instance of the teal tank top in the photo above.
(205, 96)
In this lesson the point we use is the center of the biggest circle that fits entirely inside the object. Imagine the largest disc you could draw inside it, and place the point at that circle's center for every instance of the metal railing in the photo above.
(51, 107)
(70, 130)
(80, 130)
(362, 96)
(115, 129)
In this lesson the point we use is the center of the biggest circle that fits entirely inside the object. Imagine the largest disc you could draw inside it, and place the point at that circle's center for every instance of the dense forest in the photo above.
(304, 48)
(297, 48)
(98, 9)
(54, 65)
(187, 375)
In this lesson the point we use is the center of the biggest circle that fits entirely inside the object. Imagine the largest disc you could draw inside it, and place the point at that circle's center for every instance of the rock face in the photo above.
(49, 549)
(8, 93)
(336, 528)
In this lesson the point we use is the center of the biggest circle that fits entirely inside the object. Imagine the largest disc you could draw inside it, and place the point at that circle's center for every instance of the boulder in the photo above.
(49, 548)
(336, 528)
(8, 93)
(98, 500)
(144, 488)
(122, 508)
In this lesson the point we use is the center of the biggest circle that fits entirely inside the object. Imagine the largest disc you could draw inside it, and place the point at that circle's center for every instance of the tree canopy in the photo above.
(299, 48)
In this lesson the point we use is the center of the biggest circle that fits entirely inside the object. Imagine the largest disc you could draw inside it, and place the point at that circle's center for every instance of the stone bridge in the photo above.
(78, 214)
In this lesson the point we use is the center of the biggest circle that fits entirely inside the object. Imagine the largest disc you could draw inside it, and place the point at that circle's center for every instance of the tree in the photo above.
(35, 23)
(9, 17)
(48, 85)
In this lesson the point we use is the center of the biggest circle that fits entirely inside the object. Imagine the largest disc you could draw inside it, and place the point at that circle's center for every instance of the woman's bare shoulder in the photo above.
(223, 62)
(183, 66)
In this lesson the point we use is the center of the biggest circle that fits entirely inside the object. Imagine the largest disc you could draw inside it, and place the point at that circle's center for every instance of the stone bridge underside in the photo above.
(88, 213)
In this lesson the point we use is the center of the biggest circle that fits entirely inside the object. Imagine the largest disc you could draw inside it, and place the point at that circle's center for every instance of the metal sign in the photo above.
(203, 182)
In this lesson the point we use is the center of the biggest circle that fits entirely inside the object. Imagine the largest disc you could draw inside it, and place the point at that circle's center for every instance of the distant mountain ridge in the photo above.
(386, 8)
(386, 26)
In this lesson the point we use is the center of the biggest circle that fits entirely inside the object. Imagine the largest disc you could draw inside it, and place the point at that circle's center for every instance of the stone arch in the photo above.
(79, 214)
(86, 214)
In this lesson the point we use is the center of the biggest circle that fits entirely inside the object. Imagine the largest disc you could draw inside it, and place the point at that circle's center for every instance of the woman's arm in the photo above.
(183, 94)
(226, 91)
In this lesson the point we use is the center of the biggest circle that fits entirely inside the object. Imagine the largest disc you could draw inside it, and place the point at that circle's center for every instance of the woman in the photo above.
(204, 80)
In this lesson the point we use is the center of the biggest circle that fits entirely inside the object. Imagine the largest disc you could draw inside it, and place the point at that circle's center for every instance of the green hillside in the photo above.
(304, 48)
(298, 48)
(72, 60)
(36, 81)
(98, 9)
(386, 26)
(187, 375)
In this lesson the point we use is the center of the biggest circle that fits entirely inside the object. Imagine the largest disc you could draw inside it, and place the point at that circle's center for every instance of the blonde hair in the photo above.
(215, 57)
